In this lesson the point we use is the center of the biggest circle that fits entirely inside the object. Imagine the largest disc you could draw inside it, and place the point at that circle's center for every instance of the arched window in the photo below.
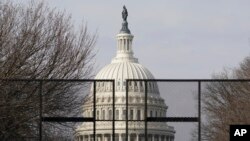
(131, 114)
(151, 113)
(156, 114)
(138, 115)
(110, 115)
(103, 114)
(117, 114)
(135, 83)
(123, 114)
(97, 114)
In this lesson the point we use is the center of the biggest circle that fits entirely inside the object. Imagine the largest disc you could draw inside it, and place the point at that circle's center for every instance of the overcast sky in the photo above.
(172, 38)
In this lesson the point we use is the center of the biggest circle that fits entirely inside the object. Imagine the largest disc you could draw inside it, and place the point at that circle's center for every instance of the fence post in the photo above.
(40, 109)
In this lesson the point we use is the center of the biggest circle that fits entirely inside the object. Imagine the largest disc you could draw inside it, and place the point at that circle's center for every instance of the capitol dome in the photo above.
(124, 66)
(124, 70)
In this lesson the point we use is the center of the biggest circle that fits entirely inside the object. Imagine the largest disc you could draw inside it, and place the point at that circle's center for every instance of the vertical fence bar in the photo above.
(146, 111)
(94, 111)
(113, 121)
(199, 108)
(127, 110)
(40, 109)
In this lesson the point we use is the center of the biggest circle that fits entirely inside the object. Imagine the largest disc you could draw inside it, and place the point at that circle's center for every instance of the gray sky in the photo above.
(173, 38)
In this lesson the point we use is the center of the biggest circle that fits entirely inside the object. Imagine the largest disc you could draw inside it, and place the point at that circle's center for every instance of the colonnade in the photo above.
(124, 44)
(122, 137)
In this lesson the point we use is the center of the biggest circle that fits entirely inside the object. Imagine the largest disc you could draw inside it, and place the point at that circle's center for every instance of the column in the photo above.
(120, 44)
(118, 48)
(137, 137)
(102, 137)
(120, 137)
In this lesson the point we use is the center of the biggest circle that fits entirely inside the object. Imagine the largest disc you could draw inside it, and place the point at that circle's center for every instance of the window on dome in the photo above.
(103, 114)
(97, 115)
(131, 114)
(140, 83)
(135, 83)
(138, 115)
(123, 114)
(110, 115)
(117, 114)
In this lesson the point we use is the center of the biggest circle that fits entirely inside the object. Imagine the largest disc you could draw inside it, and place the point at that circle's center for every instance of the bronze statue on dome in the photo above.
(124, 13)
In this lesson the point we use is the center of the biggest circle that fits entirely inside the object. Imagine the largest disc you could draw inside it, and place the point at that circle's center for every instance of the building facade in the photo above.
(125, 66)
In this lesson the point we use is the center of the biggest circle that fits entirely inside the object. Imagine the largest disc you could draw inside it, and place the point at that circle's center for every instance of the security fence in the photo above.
(98, 110)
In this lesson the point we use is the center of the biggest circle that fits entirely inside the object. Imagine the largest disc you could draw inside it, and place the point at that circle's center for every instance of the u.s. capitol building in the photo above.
(125, 66)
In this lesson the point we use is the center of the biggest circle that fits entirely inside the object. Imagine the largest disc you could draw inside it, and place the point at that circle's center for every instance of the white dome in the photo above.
(124, 70)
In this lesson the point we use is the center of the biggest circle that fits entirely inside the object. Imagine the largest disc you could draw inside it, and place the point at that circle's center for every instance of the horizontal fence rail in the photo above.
(146, 119)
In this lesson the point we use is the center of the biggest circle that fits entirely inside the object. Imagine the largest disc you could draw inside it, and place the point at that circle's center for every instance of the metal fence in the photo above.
(40, 88)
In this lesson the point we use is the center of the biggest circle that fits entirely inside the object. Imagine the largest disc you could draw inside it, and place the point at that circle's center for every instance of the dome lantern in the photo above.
(124, 42)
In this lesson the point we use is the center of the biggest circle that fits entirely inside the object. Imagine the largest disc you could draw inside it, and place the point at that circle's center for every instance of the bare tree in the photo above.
(38, 42)
(226, 103)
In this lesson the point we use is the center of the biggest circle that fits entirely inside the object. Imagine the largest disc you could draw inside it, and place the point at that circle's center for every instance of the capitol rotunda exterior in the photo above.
(125, 66)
